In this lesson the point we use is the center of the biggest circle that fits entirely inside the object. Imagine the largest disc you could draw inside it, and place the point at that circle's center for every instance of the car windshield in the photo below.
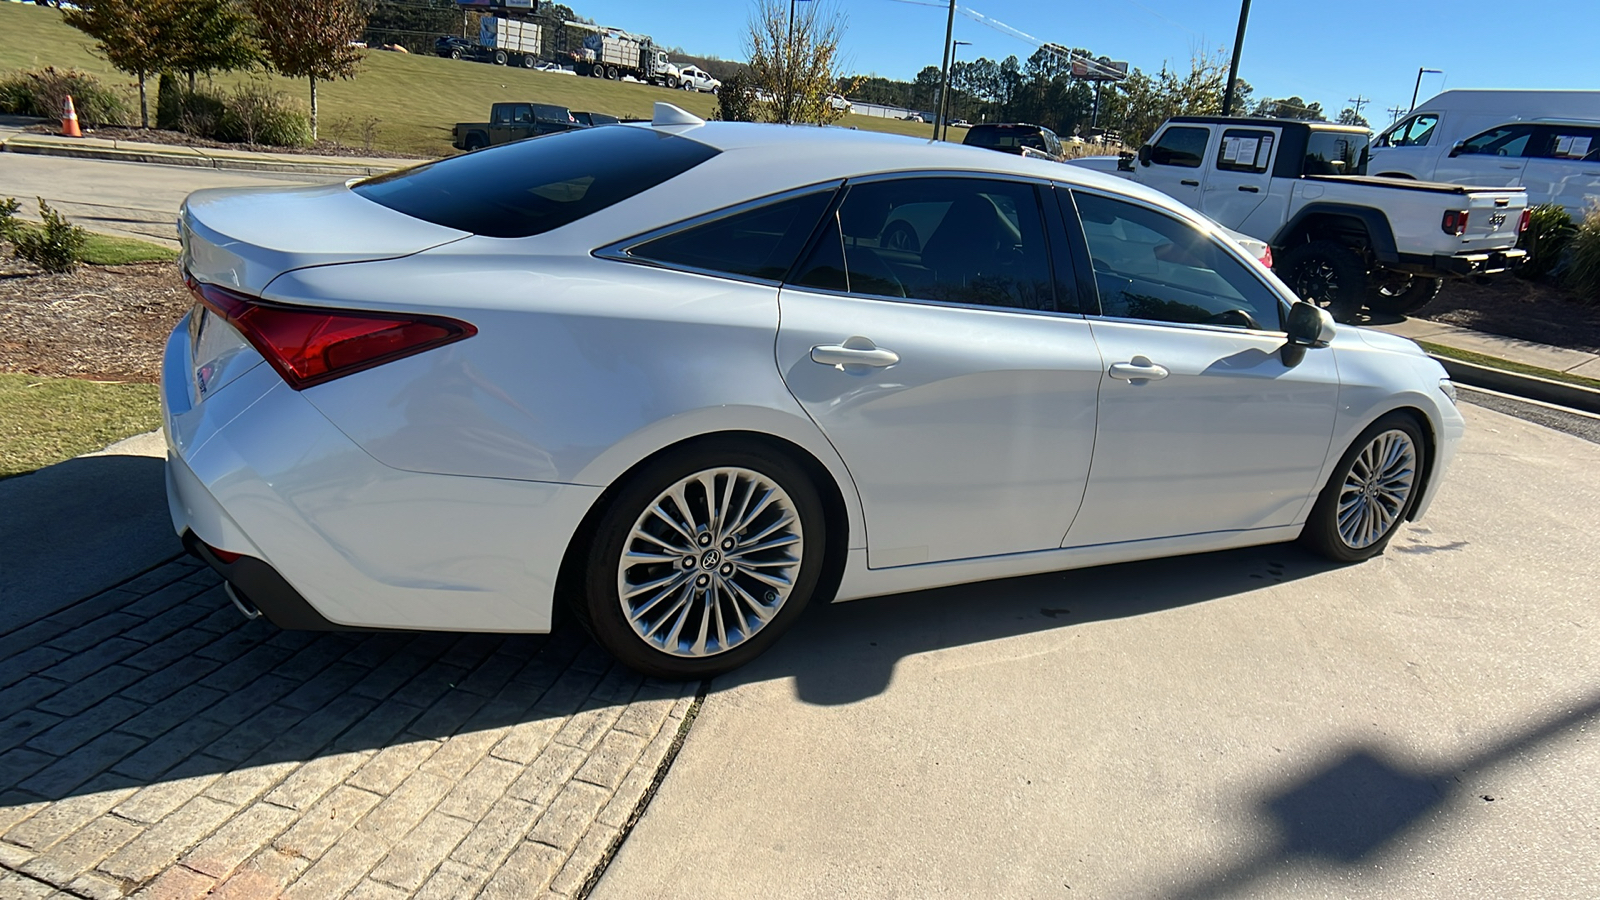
(533, 186)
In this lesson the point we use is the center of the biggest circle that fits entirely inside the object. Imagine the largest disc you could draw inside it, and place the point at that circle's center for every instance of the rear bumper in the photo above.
(258, 588)
(1490, 262)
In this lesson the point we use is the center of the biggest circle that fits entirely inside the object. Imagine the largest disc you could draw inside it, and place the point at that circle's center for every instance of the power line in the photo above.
(1359, 102)
(1395, 112)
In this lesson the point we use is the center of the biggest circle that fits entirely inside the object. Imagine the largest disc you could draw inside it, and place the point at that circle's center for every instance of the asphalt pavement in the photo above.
(1257, 723)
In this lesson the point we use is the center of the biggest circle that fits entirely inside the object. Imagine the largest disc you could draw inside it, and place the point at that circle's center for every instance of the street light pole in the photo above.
(944, 79)
(1233, 67)
(944, 92)
(1419, 84)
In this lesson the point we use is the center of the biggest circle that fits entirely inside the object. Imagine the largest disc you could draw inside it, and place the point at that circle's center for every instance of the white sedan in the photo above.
(678, 376)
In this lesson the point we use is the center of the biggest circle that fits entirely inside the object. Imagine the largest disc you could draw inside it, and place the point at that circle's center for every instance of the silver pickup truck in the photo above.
(1338, 237)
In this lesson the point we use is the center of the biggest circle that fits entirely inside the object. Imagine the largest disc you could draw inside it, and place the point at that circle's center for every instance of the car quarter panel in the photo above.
(581, 366)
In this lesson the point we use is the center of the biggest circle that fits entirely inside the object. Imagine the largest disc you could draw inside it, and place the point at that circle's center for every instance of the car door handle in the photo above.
(1250, 188)
(854, 352)
(1140, 369)
(1190, 183)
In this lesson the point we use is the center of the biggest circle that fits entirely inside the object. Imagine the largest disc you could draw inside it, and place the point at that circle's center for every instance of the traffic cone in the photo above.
(69, 119)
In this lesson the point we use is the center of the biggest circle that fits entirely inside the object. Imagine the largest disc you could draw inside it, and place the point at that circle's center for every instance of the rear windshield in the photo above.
(1001, 137)
(537, 185)
(1336, 153)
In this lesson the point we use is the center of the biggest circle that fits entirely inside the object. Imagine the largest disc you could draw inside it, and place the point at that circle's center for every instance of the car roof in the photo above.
(1276, 123)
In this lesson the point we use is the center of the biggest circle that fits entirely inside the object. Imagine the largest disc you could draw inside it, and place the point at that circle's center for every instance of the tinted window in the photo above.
(1184, 147)
(1568, 142)
(533, 186)
(1336, 153)
(757, 243)
(1005, 137)
(956, 240)
(1245, 151)
(1152, 266)
(1507, 140)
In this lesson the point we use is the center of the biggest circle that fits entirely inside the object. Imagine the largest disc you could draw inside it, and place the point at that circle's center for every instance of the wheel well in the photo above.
(569, 579)
(1347, 230)
(1429, 442)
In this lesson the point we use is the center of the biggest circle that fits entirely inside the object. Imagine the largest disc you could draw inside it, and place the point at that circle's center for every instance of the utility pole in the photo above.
(1233, 68)
(944, 79)
(1395, 112)
(1359, 101)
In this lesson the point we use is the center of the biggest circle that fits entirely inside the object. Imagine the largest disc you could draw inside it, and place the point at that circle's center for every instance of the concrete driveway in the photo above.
(1255, 723)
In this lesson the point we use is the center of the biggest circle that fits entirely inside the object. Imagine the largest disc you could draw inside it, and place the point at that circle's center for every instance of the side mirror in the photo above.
(1144, 155)
(1456, 150)
(1309, 325)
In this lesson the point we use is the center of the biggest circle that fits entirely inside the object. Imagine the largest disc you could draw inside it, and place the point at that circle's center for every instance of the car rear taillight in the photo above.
(1454, 222)
(1526, 220)
(309, 346)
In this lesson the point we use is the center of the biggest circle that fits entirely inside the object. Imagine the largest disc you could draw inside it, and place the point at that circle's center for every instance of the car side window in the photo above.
(754, 243)
(502, 115)
(1569, 143)
(1152, 266)
(1245, 150)
(1507, 140)
(1180, 146)
(955, 240)
(1413, 132)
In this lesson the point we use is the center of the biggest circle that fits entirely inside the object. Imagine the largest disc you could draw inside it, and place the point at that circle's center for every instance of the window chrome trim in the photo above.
(1209, 229)
(621, 251)
(918, 301)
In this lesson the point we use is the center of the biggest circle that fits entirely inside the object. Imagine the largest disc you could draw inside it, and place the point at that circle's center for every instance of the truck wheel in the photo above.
(475, 142)
(611, 73)
(672, 82)
(528, 62)
(499, 57)
(1328, 274)
(1401, 295)
(597, 72)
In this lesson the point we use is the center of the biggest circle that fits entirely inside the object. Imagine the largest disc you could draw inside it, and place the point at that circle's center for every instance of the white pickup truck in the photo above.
(1338, 237)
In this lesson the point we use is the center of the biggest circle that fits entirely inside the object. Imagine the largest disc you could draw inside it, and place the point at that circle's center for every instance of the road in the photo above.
(133, 199)
(1255, 723)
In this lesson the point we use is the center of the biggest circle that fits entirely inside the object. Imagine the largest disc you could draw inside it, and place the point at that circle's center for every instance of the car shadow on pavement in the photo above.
(845, 652)
(1364, 801)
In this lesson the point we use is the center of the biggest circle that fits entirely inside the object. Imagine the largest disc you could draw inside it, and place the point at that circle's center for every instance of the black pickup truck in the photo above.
(513, 122)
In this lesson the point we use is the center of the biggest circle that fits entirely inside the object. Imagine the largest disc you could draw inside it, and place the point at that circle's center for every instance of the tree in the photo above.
(135, 35)
(1348, 116)
(211, 36)
(1292, 108)
(311, 39)
(794, 63)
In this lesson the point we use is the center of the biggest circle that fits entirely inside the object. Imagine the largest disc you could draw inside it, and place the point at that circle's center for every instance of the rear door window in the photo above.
(1507, 140)
(534, 186)
(1245, 150)
(1181, 146)
(1569, 143)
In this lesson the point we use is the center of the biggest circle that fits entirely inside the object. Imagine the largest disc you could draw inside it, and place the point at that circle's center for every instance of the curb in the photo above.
(1530, 386)
(254, 164)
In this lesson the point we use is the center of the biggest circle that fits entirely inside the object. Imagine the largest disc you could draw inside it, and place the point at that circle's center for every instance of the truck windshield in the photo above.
(1336, 153)
(537, 185)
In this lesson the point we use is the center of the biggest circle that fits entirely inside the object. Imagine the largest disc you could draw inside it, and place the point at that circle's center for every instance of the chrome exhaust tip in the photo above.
(244, 606)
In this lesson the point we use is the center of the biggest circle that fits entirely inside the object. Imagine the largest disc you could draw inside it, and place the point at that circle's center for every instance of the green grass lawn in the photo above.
(48, 420)
(106, 250)
(1506, 365)
(417, 98)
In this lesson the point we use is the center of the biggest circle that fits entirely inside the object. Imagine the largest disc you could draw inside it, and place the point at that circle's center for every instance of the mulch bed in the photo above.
(107, 323)
(111, 323)
(323, 147)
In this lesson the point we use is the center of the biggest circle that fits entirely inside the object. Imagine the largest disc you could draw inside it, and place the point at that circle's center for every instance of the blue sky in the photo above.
(1340, 51)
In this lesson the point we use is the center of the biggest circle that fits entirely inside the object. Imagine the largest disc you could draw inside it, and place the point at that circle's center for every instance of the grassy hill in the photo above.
(416, 98)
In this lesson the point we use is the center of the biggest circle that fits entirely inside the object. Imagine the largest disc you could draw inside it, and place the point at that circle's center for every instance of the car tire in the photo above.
(1328, 274)
(741, 615)
(900, 236)
(456, 53)
(1401, 297)
(1370, 492)
(475, 142)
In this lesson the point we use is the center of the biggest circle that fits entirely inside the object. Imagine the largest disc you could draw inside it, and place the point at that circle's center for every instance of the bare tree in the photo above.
(794, 62)
(311, 39)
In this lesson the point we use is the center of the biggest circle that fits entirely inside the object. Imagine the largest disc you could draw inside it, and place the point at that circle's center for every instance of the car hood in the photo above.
(244, 238)
(1382, 340)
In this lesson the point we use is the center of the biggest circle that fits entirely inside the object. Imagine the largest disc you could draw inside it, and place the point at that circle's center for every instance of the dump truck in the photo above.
(614, 54)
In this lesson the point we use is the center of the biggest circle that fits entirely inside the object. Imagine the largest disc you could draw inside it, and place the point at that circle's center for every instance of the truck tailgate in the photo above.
(1493, 217)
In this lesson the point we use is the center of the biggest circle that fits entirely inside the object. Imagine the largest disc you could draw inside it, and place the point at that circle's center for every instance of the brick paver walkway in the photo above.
(154, 743)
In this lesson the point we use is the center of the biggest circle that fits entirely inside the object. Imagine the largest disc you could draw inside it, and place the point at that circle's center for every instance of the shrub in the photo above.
(198, 112)
(41, 92)
(52, 246)
(1549, 232)
(1583, 258)
(256, 114)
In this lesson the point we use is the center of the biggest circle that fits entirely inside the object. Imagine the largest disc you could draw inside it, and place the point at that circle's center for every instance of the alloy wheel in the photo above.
(1376, 488)
(710, 562)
